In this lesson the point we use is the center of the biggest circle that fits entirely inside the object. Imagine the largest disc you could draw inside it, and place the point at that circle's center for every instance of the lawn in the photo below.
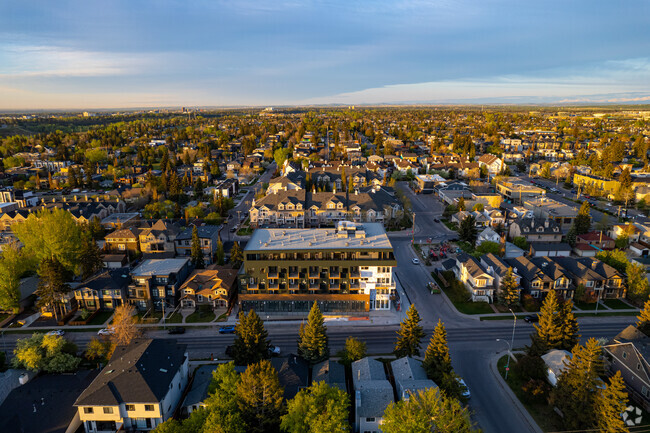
(152, 317)
(519, 317)
(616, 304)
(605, 313)
(174, 318)
(586, 305)
(504, 309)
(543, 413)
(245, 231)
(202, 314)
(459, 296)
(101, 318)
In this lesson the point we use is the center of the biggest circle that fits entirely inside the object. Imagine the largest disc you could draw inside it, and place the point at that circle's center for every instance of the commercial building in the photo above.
(547, 208)
(346, 269)
(517, 190)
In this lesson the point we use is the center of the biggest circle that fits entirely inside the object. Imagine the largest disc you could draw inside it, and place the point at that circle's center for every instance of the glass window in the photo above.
(88, 410)
(108, 410)
(148, 407)
(130, 407)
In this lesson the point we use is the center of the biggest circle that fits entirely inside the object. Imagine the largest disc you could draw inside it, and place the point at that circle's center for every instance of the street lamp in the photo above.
(509, 354)
(514, 324)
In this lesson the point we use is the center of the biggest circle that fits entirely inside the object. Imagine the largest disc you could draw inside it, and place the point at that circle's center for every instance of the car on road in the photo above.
(274, 350)
(233, 229)
(531, 318)
(227, 330)
(176, 330)
(436, 220)
(106, 331)
(465, 389)
(58, 332)
(416, 261)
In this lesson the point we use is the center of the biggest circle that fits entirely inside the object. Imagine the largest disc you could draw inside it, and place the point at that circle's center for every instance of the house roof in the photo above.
(601, 267)
(550, 246)
(499, 266)
(594, 237)
(373, 392)
(200, 384)
(473, 266)
(123, 234)
(205, 232)
(155, 267)
(111, 279)
(330, 372)
(137, 373)
(293, 374)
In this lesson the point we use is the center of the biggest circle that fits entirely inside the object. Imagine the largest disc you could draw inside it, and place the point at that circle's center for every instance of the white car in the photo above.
(105, 331)
(56, 332)
(416, 261)
(466, 392)
(274, 350)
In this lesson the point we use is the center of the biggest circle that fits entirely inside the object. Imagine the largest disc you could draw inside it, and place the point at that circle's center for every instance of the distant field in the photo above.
(14, 130)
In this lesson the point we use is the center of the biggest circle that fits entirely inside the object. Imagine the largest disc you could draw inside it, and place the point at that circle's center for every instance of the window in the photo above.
(88, 410)
(130, 407)
(148, 407)
(108, 410)
(646, 392)
(370, 419)
(624, 355)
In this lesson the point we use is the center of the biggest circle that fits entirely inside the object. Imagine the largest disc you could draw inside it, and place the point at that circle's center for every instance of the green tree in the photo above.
(251, 342)
(49, 353)
(318, 409)
(197, 253)
(99, 349)
(643, 319)
(568, 326)
(521, 242)
(461, 204)
(90, 257)
(548, 334)
(354, 350)
(236, 255)
(609, 404)
(467, 230)
(638, 288)
(51, 285)
(259, 398)
(313, 343)
(583, 220)
(409, 335)
(221, 255)
(508, 293)
(487, 247)
(572, 235)
(13, 264)
(427, 411)
(437, 361)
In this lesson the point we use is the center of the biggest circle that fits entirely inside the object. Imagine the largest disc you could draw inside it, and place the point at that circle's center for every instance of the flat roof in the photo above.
(319, 239)
(159, 267)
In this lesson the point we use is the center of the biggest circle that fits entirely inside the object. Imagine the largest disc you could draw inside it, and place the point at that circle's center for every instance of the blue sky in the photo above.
(137, 53)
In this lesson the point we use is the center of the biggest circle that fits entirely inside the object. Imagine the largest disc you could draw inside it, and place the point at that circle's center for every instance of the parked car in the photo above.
(233, 229)
(106, 331)
(416, 261)
(531, 318)
(466, 394)
(176, 330)
(436, 220)
(274, 350)
(58, 332)
(227, 330)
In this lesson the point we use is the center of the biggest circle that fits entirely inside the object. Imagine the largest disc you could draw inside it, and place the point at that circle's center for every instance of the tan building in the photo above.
(214, 286)
(518, 190)
(122, 241)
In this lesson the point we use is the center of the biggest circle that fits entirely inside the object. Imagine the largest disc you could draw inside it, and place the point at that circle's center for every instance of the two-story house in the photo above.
(614, 286)
(208, 238)
(372, 394)
(539, 275)
(536, 230)
(139, 388)
(103, 291)
(156, 281)
(159, 238)
(214, 286)
(498, 268)
(124, 240)
(475, 277)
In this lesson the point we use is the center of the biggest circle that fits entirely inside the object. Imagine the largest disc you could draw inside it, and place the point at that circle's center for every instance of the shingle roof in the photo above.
(293, 374)
(138, 373)
(205, 232)
(113, 279)
(200, 384)
(330, 372)
(373, 392)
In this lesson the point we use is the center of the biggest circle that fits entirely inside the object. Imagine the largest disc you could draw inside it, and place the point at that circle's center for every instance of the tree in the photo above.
(568, 326)
(437, 362)
(508, 293)
(51, 285)
(609, 404)
(487, 247)
(583, 220)
(221, 255)
(521, 242)
(643, 319)
(49, 353)
(251, 342)
(409, 335)
(90, 257)
(313, 343)
(461, 204)
(259, 397)
(236, 255)
(197, 253)
(638, 287)
(318, 409)
(467, 230)
(427, 411)
(572, 235)
(13, 264)
(99, 349)
(354, 350)
(124, 325)
(548, 334)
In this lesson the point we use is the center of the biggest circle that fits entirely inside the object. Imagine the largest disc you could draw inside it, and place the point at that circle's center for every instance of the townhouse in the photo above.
(214, 286)
(536, 230)
(103, 291)
(208, 239)
(156, 282)
(477, 280)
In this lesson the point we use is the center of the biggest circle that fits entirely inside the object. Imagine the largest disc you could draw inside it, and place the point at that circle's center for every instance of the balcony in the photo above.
(335, 274)
(272, 273)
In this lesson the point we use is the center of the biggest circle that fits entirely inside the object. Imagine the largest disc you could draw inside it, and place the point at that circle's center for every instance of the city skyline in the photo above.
(78, 55)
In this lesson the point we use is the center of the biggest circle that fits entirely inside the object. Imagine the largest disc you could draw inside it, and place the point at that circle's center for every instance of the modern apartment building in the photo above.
(518, 190)
(345, 269)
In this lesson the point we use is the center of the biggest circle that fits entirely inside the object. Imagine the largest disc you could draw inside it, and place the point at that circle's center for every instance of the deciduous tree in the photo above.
(124, 325)
(318, 409)
(49, 353)
(313, 344)
(409, 335)
(13, 263)
(354, 350)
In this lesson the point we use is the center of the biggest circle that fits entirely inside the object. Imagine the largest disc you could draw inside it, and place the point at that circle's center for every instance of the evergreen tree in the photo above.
(251, 342)
(221, 255)
(568, 326)
(467, 230)
(236, 255)
(318, 409)
(410, 334)
(548, 334)
(572, 235)
(610, 403)
(354, 350)
(90, 257)
(437, 362)
(51, 285)
(197, 253)
(643, 319)
(461, 204)
(259, 398)
(313, 343)
(508, 294)
(583, 220)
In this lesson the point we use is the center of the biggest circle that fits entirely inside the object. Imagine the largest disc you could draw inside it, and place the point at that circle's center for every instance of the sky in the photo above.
(139, 53)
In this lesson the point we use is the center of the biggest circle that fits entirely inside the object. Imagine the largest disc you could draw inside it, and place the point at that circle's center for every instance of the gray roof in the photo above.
(550, 246)
(205, 232)
(318, 239)
(410, 376)
(330, 372)
(600, 267)
(498, 265)
(373, 392)
(159, 267)
(293, 374)
(138, 373)
(200, 384)
(473, 266)
(113, 279)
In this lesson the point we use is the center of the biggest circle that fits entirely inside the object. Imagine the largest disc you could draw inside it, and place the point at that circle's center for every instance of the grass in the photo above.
(451, 226)
(152, 317)
(585, 305)
(202, 314)
(616, 304)
(504, 309)
(542, 413)
(174, 318)
(458, 295)
(519, 317)
(222, 318)
(101, 318)
(606, 313)
(245, 231)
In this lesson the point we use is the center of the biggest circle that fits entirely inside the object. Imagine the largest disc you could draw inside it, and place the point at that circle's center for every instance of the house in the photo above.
(120, 220)
(198, 393)
(214, 286)
(292, 181)
(549, 249)
(539, 275)
(493, 163)
(293, 374)
(632, 231)
(45, 403)
(549, 209)
(498, 268)
(536, 230)
(613, 284)
(596, 239)
(330, 372)
(372, 394)
(123, 240)
(139, 388)
(103, 291)
(488, 235)
(228, 188)
(639, 249)
(475, 277)
(159, 238)
(629, 353)
(555, 361)
(208, 238)
(410, 377)
(156, 283)
(113, 261)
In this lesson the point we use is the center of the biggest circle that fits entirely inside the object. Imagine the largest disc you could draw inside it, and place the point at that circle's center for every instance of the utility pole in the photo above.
(413, 230)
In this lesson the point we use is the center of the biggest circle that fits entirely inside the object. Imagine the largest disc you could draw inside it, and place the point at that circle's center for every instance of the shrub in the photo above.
(530, 303)
(531, 367)
(535, 391)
